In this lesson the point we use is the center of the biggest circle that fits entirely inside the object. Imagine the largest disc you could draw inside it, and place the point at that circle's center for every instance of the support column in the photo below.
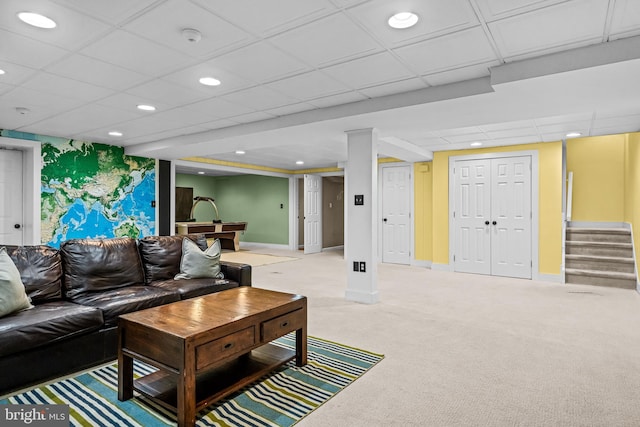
(361, 201)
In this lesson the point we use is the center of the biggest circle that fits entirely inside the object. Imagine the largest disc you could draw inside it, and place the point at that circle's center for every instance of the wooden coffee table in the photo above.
(208, 347)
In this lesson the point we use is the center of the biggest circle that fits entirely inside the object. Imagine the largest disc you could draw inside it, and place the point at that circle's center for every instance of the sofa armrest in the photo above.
(237, 272)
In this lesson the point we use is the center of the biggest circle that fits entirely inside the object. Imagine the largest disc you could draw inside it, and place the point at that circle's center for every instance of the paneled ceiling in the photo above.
(296, 74)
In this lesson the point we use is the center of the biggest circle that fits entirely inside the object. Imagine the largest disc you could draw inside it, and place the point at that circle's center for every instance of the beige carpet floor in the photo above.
(469, 350)
(253, 259)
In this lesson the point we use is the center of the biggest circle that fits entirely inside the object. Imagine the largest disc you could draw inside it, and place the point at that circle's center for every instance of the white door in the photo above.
(396, 214)
(11, 197)
(511, 217)
(473, 216)
(312, 214)
(493, 216)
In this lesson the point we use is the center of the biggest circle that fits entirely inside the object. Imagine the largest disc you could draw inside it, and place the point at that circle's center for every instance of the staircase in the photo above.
(600, 256)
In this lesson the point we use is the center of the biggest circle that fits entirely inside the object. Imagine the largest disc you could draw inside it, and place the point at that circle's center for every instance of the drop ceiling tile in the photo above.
(343, 98)
(85, 118)
(471, 130)
(260, 63)
(566, 127)
(128, 102)
(626, 18)
(4, 88)
(518, 124)
(260, 98)
(72, 31)
(217, 34)
(28, 52)
(112, 11)
(568, 118)
(622, 121)
(514, 134)
(373, 70)
(326, 41)
(308, 86)
(495, 9)
(15, 74)
(218, 124)
(267, 18)
(172, 133)
(545, 30)
(57, 85)
(168, 93)
(218, 108)
(469, 137)
(460, 74)
(96, 72)
(190, 76)
(437, 17)
(394, 88)
(41, 104)
(135, 53)
(461, 49)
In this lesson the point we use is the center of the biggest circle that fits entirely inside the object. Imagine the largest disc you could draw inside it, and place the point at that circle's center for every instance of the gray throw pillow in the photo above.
(196, 264)
(13, 296)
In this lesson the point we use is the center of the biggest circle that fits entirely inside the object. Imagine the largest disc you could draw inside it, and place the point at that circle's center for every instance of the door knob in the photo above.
(486, 223)
(16, 226)
(384, 219)
(494, 222)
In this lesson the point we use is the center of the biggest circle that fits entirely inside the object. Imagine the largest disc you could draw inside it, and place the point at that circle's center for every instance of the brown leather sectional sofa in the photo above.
(79, 291)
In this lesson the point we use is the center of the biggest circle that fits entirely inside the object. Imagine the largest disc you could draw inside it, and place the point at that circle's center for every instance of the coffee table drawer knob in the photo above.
(228, 345)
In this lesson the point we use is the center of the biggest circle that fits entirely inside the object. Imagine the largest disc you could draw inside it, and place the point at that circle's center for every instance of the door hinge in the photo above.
(454, 214)
(454, 258)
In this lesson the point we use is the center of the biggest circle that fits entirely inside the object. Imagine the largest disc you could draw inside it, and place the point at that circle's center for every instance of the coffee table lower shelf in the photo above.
(218, 382)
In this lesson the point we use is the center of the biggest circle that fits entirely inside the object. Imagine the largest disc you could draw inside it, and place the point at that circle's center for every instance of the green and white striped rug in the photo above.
(280, 399)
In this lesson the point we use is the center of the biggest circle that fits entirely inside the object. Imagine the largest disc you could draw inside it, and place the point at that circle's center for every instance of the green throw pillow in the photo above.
(13, 296)
(196, 264)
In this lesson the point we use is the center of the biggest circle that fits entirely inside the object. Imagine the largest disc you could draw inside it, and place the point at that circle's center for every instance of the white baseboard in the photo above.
(362, 297)
(248, 245)
(440, 267)
(543, 277)
(421, 263)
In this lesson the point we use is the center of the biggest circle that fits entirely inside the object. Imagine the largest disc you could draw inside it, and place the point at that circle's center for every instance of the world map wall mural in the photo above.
(92, 190)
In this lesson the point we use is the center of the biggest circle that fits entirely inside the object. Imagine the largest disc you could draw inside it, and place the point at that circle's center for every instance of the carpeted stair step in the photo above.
(600, 278)
(619, 235)
(605, 249)
(600, 263)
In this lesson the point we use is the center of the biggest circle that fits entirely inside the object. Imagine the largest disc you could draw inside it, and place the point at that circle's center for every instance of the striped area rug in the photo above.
(281, 398)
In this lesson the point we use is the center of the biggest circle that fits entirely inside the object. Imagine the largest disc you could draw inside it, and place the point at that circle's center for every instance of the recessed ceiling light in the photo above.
(403, 20)
(115, 133)
(209, 81)
(476, 144)
(240, 152)
(1, 71)
(146, 107)
(299, 162)
(573, 134)
(200, 173)
(36, 20)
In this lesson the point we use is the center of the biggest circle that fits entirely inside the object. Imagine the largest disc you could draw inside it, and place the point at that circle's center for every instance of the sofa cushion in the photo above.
(197, 264)
(13, 296)
(195, 287)
(46, 323)
(161, 255)
(40, 270)
(96, 265)
(114, 302)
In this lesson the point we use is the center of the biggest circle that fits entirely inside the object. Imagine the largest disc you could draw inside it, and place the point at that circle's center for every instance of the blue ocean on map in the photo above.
(98, 221)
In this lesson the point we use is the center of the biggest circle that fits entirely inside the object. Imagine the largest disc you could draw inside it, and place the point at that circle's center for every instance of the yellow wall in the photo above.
(632, 186)
(549, 205)
(423, 195)
(598, 166)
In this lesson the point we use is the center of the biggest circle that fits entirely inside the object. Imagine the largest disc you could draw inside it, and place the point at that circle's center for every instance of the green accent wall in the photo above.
(254, 199)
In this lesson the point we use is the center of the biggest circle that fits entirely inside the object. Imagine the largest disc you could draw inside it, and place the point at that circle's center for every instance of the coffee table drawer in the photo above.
(225, 347)
(281, 325)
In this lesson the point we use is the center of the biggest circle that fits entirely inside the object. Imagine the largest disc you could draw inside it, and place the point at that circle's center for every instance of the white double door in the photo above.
(493, 216)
